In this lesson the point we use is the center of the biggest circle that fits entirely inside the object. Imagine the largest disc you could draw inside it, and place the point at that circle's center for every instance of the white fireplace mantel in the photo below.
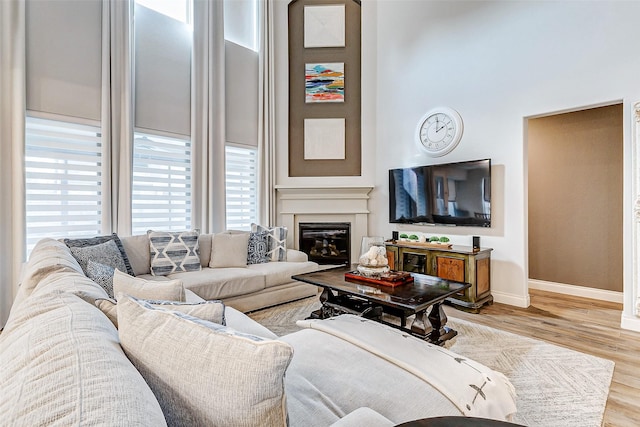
(325, 204)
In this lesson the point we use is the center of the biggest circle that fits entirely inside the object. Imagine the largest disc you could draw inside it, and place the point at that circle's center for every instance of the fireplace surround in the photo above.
(325, 205)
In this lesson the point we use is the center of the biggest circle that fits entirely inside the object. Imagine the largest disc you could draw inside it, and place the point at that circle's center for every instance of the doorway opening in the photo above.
(575, 199)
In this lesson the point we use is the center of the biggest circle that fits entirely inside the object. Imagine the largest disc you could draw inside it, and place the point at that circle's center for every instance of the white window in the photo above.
(241, 187)
(161, 195)
(63, 180)
(179, 10)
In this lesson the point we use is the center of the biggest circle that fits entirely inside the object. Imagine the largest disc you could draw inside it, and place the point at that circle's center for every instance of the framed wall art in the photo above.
(324, 88)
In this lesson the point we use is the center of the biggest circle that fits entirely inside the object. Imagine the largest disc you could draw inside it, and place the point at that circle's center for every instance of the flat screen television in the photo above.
(444, 194)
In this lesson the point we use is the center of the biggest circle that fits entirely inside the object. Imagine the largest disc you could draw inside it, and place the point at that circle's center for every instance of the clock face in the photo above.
(439, 131)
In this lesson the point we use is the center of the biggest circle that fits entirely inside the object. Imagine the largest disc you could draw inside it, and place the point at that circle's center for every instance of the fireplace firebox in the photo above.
(326, 242)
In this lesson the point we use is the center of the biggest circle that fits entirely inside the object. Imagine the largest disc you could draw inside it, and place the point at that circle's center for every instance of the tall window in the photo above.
(241, 187)
(63, 180)
(161, 197)
(179, 10)
(161, 177)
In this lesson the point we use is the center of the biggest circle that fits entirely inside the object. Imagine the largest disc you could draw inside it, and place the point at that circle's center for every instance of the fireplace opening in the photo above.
(326, 242)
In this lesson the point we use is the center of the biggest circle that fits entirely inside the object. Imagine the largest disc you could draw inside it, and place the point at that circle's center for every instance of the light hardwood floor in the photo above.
(581, 324)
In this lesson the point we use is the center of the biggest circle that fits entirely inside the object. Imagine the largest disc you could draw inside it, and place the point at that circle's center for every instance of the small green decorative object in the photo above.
(444, 239)
(414, 237)
(434, 239)
(403, 236)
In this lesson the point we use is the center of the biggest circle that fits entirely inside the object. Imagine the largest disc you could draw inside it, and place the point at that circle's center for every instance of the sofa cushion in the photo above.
(237, 319)
(71, 282)
(80, 250)
(220, 283)
(229, 250)
(278, 273)
(203, 373)
(48, 255)
(102, 275)
(258, 248)
(277, 241)
(62, 365)
(204, 242)
(211, 311)
(172, 290)
(173, 251)
(137, 249)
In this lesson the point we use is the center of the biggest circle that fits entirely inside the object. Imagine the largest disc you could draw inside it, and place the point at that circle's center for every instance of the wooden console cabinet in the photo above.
(460, 264)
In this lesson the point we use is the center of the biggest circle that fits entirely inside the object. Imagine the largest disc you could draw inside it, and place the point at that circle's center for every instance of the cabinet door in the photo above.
(414, 262)
(450, 268)
(482, 275)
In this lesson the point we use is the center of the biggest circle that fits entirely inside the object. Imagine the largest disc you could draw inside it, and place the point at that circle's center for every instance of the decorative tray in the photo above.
(423, 245)
(392, 278)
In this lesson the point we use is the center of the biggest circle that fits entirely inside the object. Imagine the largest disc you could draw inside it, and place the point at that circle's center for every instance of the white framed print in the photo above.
(324, 26)
(324, 139)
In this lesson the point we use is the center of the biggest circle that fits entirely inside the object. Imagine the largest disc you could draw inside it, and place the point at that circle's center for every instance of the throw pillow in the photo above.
(173, 252)
(106, 253)
(258, 248)
(102, 275)
(109, 308)
(277, 237)
(172, 290)
(229, 250)
(203, 373)
(211, 311)
(81, 243)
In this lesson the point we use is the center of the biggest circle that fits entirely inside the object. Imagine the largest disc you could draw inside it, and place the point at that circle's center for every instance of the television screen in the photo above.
(445, 194)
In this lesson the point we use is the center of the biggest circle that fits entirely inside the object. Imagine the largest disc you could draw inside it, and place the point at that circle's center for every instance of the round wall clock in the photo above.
(439, 131)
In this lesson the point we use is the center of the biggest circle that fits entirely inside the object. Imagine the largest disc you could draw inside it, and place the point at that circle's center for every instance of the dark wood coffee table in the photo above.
(340, 296)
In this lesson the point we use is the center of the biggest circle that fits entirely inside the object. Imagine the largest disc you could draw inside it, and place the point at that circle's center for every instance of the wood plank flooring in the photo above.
(581, 324)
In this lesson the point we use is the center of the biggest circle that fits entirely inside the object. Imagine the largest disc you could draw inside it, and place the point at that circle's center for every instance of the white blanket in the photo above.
(475, 389)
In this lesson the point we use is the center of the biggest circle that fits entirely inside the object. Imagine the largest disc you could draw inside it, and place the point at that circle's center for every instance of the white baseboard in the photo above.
(579, 291)
(631, 323)
(511, 299)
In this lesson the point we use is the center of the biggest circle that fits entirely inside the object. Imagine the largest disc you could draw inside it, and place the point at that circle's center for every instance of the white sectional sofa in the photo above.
(245, 288)
(65, 363)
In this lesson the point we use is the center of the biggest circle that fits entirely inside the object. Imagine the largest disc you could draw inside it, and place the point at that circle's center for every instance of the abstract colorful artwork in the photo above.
(324, 82)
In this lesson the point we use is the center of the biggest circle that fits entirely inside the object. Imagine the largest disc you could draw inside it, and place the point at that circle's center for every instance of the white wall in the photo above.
(497, 63)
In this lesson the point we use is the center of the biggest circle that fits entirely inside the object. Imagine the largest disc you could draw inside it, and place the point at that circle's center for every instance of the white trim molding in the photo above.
(325, 204)
(579, 291)
(635, 297)
(511, 299)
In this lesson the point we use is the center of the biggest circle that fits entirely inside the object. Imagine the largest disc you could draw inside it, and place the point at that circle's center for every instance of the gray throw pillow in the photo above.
(102, 275)
(106, 253)
(277, 240)
(173, 252)
(92, 241)
(258, 248)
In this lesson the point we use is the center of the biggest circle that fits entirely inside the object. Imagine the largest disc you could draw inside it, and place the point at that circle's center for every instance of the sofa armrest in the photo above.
(294, 255)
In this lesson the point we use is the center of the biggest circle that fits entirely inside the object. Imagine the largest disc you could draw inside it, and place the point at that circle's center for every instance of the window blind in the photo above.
(241, 187)
(63, 180)
(161, 194)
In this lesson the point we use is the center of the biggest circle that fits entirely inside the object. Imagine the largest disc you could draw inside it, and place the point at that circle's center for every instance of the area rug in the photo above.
(556, 387)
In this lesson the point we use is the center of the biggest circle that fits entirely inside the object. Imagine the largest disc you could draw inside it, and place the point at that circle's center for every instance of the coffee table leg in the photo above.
(438, 319)
(420, 326)
(325, 311)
